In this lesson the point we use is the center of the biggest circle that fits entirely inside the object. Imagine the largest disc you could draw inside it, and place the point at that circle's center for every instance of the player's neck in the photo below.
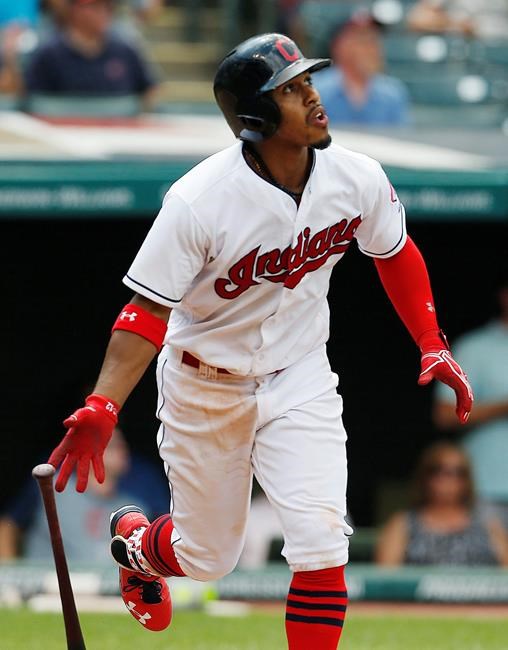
(289, 168)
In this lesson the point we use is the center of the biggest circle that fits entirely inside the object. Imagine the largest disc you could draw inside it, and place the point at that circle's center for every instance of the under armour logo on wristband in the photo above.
(111, 408)
(130, 316)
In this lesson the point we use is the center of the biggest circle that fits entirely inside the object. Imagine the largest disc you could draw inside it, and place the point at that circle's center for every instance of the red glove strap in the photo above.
(406, 282)
(134, 318)
(104, 403)
(433, 341)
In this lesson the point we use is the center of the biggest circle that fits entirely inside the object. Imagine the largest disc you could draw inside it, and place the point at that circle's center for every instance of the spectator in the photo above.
(485, 20)
(10, 77)
(354, 91)
(484, 353)
(85, 58)
(19, 21)
(22, 24)
(83, 517)
(444, 526)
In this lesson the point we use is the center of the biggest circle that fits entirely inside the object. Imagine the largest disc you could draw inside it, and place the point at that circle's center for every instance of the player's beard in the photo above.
(324, 143)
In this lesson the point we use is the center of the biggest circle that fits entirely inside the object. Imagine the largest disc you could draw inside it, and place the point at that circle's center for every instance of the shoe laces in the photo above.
(150, 591)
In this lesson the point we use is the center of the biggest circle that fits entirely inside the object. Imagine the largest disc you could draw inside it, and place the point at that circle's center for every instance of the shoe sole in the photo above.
(118, 514)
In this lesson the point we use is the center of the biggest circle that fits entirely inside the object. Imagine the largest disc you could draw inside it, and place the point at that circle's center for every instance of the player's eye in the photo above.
(288, 89)
(309, 81)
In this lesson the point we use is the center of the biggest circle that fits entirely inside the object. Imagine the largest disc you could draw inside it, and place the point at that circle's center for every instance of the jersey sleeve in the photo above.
(382, 232)
(172, 255)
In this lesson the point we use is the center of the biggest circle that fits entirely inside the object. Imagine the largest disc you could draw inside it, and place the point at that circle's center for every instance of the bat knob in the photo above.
(45, 470)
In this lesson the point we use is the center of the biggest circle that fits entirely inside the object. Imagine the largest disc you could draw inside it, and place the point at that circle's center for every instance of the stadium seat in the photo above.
(72, 106)
(450, 99)
(471, 116)
(188, 108)
(9, 102)
(456, 90)
(495, 52)
(320, 19)
(431, 48)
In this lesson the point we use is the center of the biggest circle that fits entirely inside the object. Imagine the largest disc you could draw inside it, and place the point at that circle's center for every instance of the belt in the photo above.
(190, 360)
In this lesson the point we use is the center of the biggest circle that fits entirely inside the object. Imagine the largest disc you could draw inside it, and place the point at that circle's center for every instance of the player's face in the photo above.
(304, 121)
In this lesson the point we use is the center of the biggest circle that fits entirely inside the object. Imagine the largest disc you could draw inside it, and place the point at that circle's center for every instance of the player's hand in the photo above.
(439, 364)
(89, 431)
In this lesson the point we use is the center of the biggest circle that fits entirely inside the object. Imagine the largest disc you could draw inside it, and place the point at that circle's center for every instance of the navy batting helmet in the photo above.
(246, 76)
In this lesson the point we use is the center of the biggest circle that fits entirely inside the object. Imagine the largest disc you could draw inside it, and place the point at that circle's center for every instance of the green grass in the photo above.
(25, 630)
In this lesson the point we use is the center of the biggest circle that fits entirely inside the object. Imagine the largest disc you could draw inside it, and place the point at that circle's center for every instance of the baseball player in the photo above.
(230, 288)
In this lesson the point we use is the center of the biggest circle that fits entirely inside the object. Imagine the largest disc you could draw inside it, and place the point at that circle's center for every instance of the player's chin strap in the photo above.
(138, 320)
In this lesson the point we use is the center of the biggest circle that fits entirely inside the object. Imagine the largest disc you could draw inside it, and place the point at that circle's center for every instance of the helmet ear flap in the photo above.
(260, 117)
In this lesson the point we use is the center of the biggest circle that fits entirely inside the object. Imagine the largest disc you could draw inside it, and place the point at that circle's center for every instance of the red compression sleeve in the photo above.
(406, 282)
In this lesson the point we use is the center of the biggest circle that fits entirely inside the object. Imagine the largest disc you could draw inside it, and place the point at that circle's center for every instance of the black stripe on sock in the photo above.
(155, 551)
(150, 551)
(153, 527)
(156, 560)
(322, 620)
(317, 594)
(297, 604)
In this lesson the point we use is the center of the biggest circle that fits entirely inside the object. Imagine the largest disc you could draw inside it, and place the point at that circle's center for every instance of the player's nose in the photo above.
(312, 96)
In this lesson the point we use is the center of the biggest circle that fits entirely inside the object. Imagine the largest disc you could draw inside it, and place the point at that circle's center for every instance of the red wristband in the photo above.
(433, 340)
(134, 318)
(112, 408)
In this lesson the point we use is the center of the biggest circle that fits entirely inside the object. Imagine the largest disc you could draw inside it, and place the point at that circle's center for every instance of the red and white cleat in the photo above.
(146, 596)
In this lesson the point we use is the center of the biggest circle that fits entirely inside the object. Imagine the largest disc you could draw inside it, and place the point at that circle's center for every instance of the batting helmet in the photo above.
(246, 76)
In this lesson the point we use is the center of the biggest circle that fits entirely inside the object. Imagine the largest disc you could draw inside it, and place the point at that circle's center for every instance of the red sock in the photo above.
(157, 547)
(315, 609)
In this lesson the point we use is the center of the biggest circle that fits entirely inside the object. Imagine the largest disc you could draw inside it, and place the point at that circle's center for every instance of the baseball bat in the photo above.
(44, 475)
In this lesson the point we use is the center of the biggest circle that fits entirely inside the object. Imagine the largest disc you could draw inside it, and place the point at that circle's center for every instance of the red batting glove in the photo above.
(438, 363)
(89, 431)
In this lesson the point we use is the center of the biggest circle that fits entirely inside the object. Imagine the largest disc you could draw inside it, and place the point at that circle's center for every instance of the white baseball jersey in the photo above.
(245, 270)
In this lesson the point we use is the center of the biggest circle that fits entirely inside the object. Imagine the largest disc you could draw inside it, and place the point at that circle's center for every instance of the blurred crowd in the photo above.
(396, 62)
(75, 47)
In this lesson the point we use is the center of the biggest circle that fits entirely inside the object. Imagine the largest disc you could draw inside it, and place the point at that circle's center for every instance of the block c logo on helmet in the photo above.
(281, 46)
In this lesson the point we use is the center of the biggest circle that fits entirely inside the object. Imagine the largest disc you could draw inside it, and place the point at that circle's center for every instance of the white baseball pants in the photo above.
(285, 428)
